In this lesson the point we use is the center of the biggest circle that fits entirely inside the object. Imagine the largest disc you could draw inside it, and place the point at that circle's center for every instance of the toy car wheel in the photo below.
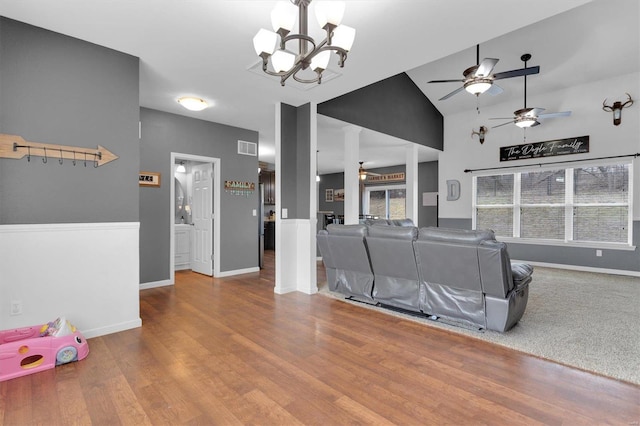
(66, 354)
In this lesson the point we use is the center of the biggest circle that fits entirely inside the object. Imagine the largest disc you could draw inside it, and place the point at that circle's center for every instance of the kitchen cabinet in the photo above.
(268, 179)
(269, 235)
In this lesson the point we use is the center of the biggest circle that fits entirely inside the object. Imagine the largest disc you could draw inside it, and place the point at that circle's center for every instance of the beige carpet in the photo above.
(586, 320)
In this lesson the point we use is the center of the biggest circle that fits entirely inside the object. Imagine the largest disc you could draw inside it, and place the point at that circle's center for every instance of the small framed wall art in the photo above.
(328, 195)
(149, 179)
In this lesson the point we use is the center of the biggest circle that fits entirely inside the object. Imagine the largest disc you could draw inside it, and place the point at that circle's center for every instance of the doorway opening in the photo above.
(195, 211)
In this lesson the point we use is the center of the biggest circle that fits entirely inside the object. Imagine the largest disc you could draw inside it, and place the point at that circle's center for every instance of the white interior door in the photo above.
(202, 247)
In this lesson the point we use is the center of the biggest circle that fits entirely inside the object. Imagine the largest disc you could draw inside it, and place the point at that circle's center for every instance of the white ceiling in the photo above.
(204, 48)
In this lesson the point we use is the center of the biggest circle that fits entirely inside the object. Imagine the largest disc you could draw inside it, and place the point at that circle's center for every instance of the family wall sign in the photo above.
(578, 145)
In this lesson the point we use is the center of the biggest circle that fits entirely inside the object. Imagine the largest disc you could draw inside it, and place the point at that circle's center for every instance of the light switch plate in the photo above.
(285, 213)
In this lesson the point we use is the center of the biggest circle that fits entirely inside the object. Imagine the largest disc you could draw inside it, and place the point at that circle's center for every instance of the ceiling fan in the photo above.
(478, 78)
(362, 173)
(528, 117)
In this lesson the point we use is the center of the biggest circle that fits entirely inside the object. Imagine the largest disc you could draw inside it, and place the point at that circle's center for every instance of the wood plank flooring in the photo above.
(230, 351)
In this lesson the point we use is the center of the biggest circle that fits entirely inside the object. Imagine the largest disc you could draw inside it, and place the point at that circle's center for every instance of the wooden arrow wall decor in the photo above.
(14, 146)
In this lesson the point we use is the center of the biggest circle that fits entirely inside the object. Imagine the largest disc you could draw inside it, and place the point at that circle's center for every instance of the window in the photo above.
(577, 205)
(387, 202)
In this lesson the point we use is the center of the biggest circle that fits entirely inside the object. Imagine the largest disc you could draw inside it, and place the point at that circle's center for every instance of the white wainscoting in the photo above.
(293, 257)
(87, 272)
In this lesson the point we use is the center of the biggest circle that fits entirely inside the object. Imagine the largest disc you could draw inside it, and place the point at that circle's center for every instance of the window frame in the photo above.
(569, 205)
(386, 188)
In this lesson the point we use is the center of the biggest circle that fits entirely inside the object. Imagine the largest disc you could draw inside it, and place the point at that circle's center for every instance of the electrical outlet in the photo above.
(16, 307)
(599, 253)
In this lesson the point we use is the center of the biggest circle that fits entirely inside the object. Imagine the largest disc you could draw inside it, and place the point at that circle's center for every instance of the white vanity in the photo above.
(182, 246)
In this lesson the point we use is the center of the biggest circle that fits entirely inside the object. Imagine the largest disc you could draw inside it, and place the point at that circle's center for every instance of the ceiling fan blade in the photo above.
(537, 123)
(517, 73)
(447, 81)
(555, 114)
(495, 90)
(504, 124)
(485, 67)
(501, 118)
(451, 94)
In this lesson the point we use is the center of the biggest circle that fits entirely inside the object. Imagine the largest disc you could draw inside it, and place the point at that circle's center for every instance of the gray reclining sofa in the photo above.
(458, 275)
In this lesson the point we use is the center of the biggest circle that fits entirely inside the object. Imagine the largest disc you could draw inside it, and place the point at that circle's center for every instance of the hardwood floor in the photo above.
(230, 351)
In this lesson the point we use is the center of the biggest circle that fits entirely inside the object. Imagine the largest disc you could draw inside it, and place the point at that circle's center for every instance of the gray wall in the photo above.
(61, 90)
(295, 158)
(394, 106)
(578, 256)
(163, 133)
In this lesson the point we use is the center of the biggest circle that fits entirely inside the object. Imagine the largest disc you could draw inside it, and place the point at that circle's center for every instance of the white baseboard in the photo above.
(581, 268)
(113, 328)
(154, 284)
(238, 272)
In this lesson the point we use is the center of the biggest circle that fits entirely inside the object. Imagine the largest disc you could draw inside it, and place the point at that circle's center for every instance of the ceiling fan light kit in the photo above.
(528, 117)
(478, 86)
(479, 78)
(309, 55)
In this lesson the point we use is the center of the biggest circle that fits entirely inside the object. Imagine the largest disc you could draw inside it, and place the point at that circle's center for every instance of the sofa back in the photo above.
(449, 270)
(349, 254)
(394, 265)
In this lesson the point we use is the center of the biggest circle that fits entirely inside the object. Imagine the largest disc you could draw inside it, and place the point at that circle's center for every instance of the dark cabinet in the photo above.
(269, 235)
(268, 179)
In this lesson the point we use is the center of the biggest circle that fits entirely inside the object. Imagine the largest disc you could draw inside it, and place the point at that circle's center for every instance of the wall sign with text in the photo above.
(149, 179)
(569, 146)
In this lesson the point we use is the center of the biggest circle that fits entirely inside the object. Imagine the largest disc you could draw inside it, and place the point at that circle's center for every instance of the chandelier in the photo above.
(309, 55)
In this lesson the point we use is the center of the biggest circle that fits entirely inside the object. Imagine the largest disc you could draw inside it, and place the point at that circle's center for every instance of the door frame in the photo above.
(176, 156)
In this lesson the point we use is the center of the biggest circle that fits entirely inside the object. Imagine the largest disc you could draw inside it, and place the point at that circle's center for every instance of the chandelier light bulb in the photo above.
(329, 12)
(320, 61)
(282, 60)
(192, 104)
(343, 37)
(265, 42)
(283, 16)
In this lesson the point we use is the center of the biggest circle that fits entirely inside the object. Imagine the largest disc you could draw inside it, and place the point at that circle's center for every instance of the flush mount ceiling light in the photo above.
(192, 104)
(310, 55)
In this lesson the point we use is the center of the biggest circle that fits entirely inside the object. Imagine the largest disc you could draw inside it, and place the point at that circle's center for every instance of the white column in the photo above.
(411, 179)
(351, 183)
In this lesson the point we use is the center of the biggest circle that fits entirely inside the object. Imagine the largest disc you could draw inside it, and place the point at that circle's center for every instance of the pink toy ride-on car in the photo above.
(31, 349)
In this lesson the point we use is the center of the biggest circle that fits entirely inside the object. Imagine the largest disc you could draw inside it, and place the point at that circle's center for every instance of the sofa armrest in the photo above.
(521, 273)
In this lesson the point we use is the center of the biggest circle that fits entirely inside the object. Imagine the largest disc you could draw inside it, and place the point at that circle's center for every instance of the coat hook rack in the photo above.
(16, 147)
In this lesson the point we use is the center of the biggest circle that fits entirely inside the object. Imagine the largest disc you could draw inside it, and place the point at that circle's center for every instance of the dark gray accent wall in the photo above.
(295, 156)
(60, 90)
(576, 256)
(163, 133)
(394, 106)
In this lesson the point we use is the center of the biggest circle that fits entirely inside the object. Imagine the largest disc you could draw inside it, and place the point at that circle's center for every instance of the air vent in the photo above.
(248, 148)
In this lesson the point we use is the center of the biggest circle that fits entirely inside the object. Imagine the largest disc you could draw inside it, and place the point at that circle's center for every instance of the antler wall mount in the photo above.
(482, 131)
(616, 108)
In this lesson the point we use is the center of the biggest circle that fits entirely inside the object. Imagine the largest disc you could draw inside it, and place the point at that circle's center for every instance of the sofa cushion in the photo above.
(347, 230)
(395, 232)
(460, 236)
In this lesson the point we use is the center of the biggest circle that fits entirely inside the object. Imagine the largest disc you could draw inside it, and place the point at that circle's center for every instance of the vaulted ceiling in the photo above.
(204, 48)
